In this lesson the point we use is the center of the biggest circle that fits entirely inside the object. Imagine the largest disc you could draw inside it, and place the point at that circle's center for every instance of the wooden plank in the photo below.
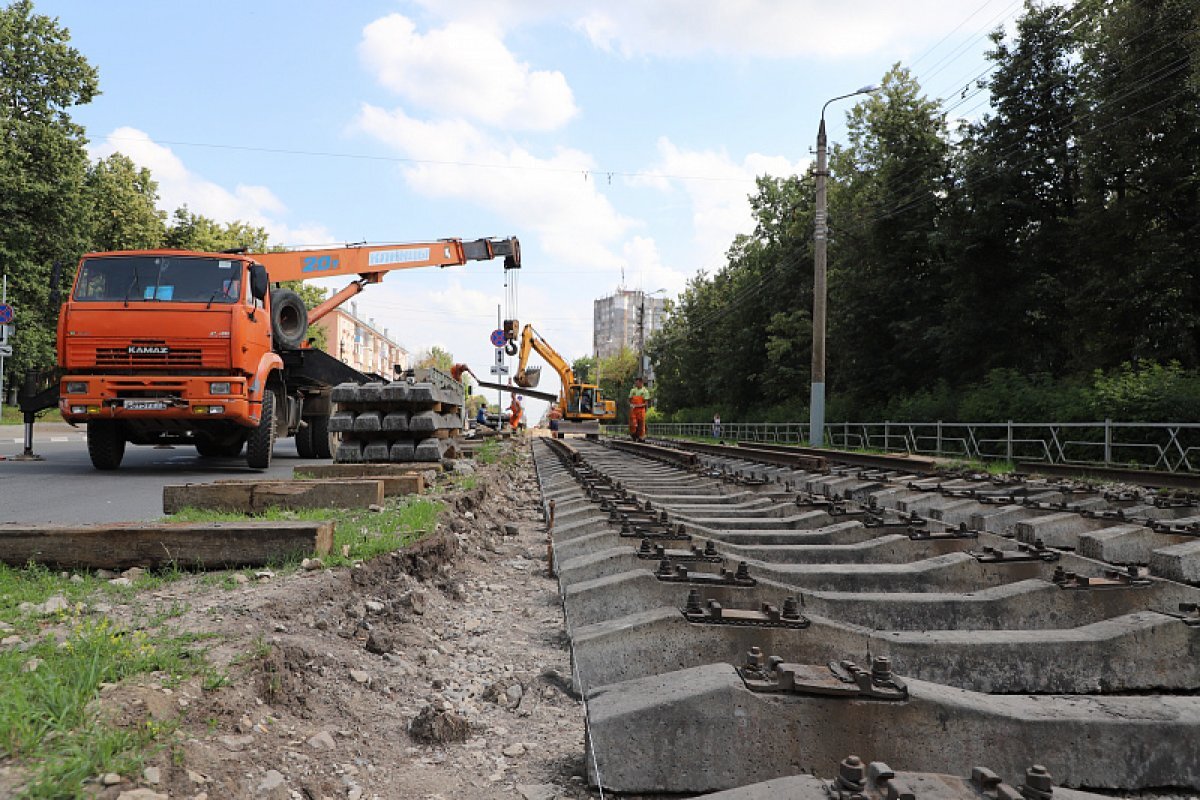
(393, 485)
(361, 470)
(208, 545)
(250, 497)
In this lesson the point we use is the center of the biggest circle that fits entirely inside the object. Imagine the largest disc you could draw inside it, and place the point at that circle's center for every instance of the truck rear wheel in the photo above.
(314, 439)
(260, 445)
(106, 443)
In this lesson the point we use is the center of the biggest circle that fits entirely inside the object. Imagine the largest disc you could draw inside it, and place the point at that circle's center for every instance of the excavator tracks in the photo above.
(761, 629)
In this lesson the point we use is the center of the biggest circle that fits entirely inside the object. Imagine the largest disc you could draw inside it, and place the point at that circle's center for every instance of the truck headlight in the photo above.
(220, 388)
(77, 387)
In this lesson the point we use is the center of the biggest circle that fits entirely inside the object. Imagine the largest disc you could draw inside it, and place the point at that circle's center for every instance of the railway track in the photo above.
(868, 630)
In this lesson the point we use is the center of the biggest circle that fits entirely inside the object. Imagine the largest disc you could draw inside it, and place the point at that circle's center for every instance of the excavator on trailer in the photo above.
(181, 347)
(581, 405)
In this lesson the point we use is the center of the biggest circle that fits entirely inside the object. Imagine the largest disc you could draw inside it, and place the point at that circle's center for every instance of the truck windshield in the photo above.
(171, 279)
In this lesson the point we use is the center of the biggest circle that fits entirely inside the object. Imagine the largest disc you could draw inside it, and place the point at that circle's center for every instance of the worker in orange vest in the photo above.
(639, 398)
(514, 409)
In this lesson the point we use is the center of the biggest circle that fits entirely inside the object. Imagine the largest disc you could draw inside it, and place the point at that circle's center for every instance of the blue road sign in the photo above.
(6, 314)
(497, 337)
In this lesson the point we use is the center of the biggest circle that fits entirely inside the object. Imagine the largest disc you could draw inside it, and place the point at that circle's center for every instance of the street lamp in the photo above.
(816, 408)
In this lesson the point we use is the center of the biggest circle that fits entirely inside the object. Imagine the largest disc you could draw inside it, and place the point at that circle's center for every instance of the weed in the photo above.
(489, 453)
(47, 716)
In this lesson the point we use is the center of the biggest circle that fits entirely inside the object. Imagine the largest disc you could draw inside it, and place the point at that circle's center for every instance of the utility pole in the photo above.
(816, 406)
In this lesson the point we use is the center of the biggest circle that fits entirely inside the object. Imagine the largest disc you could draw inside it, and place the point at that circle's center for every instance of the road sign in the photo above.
(5, 351)
(499, 357)
(6, 314)
(499, 369)
(5, 332)
(497, 338)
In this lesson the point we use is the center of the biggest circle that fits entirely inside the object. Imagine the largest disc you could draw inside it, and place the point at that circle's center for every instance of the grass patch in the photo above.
(489, 453)
(366, 533)
(48, 721)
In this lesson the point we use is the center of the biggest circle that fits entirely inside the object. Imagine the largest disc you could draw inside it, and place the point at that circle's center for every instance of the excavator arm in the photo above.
(531, 340)
(372, 262)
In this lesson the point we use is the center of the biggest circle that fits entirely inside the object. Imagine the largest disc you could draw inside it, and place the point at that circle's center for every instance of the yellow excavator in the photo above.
(581, 405)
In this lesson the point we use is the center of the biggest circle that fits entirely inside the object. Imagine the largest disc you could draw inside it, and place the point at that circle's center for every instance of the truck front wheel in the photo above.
(105, 443)
(261, 442)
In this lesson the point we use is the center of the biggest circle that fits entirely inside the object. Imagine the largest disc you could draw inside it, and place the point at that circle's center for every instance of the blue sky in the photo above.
(617, 137)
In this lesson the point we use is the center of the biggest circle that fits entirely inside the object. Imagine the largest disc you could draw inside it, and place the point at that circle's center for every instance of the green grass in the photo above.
(367, 533)
(48, 721)
(10, 415)
(489, 453)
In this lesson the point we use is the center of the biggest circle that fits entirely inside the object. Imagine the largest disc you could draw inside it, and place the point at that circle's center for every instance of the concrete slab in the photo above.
(1180, 562)
(1057, 530)
(700, 730)
(1125, 544)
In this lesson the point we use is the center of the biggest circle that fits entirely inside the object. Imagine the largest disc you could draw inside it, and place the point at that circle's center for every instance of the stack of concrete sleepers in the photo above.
(414, 419)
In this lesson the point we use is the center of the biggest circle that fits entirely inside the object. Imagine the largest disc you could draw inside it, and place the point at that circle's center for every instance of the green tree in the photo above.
(615, 376)
(886, 284)
(584, 368)
(42, 168)
(1140, 200)
(437, 358)
(190, 231)
(121, 202)
(1012, 207)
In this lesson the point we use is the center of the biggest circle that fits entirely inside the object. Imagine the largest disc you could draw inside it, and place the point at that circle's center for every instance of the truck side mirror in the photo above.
(260, 283)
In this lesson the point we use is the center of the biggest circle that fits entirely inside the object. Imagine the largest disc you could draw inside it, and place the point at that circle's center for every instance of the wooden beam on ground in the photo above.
(393, 485)
(252, 497)
(208, 545)
(366, 470)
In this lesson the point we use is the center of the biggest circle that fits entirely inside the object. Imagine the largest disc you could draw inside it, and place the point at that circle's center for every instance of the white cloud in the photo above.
(178, 186)
(556, 197)
(464, 70)
(720, 204)
(739, 28)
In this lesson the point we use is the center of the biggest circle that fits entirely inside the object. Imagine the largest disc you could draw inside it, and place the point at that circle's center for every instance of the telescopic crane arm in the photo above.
(371, 262)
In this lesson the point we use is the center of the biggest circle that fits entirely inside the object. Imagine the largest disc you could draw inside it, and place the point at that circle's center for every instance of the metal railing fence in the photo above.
(1168, 446)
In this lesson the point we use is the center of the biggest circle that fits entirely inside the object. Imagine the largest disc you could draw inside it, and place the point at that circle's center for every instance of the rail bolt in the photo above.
(754, 658)
(664, 567)
(851, 774)
(710, 548)
(881, 669)
(645, 547)
(791, 608)
(743, 571)
(693, 602)
(1039, 783)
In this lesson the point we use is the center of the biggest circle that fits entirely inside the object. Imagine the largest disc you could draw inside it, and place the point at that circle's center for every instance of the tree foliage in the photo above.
(1040, 262)
(43, 165)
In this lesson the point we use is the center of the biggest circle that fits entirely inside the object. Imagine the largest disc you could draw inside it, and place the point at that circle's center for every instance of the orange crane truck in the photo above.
(180, 347)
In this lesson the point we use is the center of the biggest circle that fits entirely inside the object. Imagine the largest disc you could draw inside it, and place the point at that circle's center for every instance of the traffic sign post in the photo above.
(499, 368)
(6, 318)
(497, 338)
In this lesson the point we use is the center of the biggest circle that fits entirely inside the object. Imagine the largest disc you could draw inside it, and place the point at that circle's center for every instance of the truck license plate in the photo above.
(144, 405)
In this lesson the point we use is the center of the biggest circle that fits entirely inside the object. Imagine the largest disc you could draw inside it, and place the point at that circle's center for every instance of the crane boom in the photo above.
(372, 262)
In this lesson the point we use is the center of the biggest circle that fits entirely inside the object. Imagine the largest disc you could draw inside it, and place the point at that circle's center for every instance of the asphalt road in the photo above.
(64, 488)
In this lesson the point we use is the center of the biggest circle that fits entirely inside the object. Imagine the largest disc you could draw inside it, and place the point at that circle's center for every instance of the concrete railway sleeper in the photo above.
(716, 606)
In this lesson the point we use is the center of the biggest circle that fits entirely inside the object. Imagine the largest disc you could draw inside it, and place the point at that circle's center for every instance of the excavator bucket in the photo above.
(529, 378)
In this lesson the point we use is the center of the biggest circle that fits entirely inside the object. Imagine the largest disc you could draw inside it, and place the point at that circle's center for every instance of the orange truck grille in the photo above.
(140, 355)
